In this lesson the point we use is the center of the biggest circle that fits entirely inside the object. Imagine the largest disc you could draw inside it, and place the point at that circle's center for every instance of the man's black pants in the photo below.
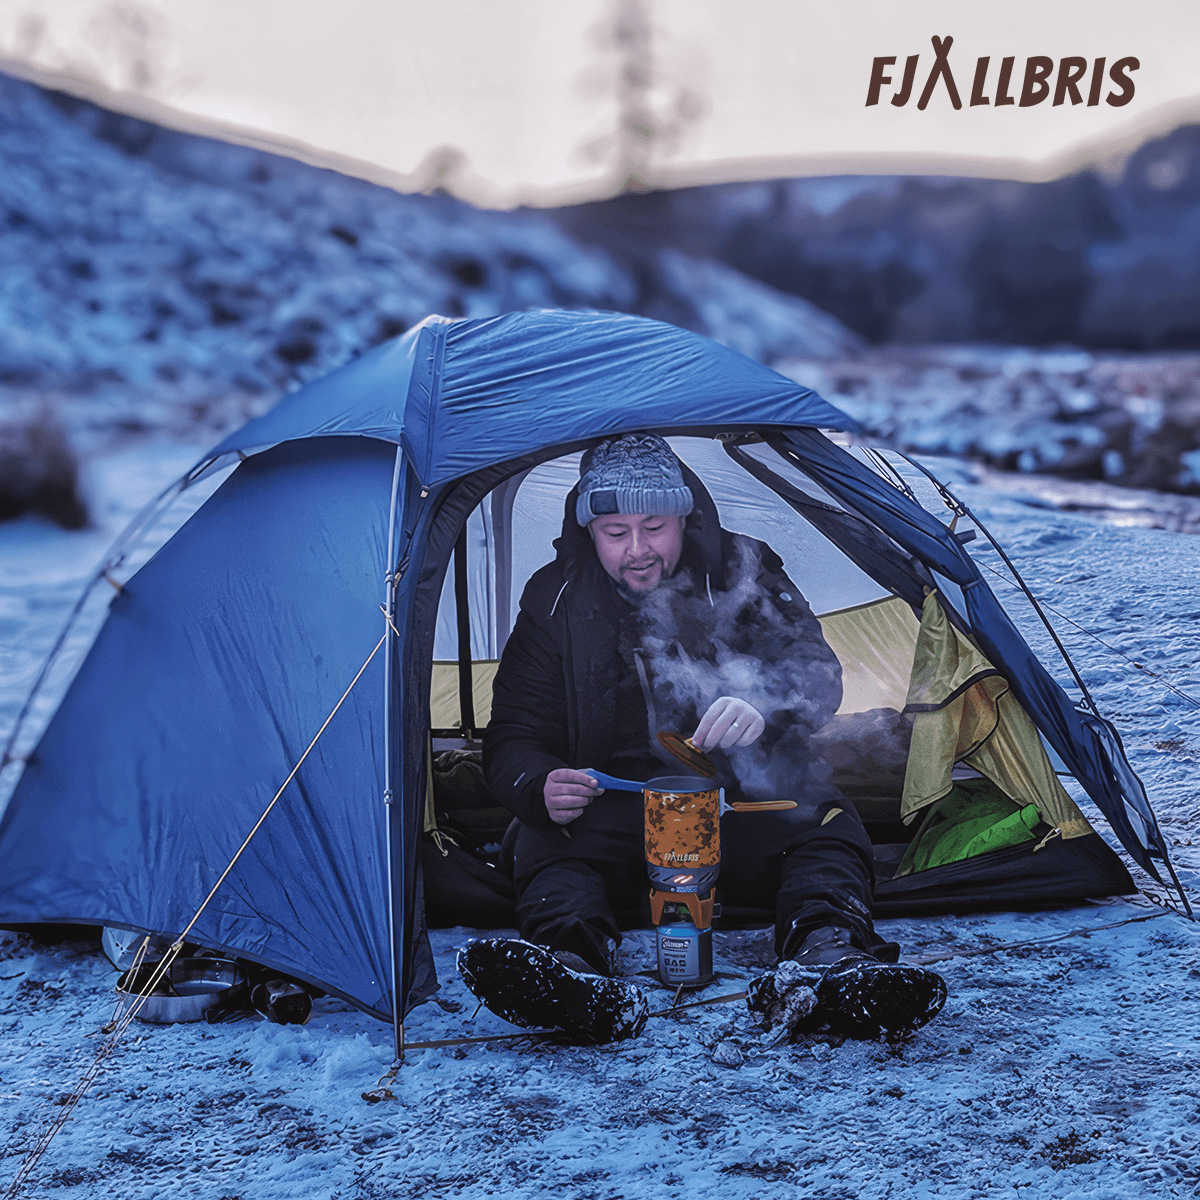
(811, 865)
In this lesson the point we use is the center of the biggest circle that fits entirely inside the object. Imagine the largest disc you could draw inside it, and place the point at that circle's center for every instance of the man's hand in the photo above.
(729, 722)
(568, 793)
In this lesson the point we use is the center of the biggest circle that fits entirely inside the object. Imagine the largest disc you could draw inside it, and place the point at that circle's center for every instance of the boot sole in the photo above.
(527, 986)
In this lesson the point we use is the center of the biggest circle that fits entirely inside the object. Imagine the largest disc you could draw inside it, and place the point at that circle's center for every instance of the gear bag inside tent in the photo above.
(319, 635)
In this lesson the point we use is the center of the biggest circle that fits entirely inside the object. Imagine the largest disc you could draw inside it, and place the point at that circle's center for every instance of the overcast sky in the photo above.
(522, 101)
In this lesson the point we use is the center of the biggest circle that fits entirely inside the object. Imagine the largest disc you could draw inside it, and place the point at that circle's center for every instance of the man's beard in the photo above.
(641, 573)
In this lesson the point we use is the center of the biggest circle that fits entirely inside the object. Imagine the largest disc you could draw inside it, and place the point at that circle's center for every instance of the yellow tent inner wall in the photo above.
(875, 644)
(443, 696)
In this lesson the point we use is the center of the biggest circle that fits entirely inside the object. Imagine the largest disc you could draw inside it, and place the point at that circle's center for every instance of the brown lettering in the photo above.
(1002, 96)
(1119, 76)
(1037, 72)
(900, 99)
(1034, 89)
(941, 70)
(878, 79)
(981, 69)
(1070, 72)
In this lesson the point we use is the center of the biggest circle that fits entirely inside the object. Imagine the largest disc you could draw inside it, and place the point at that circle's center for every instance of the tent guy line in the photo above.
(1097, 638)
(178, 945)
(1017, 581)
(959, 509)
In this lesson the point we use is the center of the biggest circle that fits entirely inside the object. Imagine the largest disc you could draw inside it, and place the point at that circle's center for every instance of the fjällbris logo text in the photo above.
(1041, 76)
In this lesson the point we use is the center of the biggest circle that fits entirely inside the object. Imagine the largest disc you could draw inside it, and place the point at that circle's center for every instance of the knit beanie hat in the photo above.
(636, 473)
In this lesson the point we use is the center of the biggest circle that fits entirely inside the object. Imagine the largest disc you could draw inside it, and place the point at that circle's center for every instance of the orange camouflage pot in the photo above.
(683, 833)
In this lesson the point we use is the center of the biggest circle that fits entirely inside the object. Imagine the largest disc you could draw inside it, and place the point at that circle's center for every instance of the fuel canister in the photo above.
(684, 952)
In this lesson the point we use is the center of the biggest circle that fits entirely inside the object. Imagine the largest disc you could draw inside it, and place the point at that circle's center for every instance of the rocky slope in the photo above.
(1105, 261)
(1132, 420)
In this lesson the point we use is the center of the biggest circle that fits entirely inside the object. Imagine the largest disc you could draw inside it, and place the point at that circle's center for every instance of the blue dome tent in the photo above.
(334, 534)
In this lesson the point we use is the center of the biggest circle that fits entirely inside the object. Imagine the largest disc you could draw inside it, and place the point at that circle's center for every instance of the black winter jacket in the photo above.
(729, 622)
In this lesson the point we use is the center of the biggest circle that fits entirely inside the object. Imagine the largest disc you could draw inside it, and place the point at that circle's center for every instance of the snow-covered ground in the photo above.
(1131, 419)
(1065, 1068)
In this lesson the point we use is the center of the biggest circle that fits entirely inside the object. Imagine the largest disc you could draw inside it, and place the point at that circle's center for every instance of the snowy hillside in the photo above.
(1132, 419)
(152, 279)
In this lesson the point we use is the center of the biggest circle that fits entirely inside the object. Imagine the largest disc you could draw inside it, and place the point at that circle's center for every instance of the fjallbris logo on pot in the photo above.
(1037, 79)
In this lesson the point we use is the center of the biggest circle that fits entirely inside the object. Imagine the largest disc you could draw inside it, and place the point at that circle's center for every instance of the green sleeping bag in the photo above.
(973, 818)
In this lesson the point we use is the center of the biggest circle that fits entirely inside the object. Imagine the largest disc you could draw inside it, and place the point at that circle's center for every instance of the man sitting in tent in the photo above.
(653, 618)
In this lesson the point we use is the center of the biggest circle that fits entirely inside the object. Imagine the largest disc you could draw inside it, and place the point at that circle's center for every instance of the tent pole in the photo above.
(502, 511)
(389, 607)
(1179, 888)
(466, 686)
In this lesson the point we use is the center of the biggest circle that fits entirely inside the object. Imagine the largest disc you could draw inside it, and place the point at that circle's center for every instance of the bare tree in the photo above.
(136, 40)
(654, 108)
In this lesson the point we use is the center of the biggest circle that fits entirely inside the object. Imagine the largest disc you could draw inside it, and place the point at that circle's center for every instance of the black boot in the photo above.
(852, 992)
(532, 987)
